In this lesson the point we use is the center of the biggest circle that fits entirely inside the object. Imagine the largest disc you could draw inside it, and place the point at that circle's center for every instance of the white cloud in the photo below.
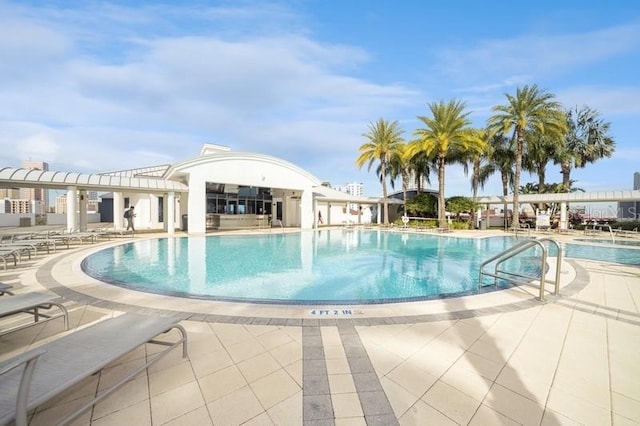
(607, 100)
(38, 146)
(536, 56)
(285, 95)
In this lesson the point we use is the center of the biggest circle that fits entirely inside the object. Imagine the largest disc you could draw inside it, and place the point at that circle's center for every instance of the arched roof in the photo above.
(179, 170)
(25, 178)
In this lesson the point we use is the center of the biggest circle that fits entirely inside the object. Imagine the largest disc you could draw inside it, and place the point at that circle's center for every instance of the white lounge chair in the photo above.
(31, 303)
(8, 253)
(33, 378)
(5, 289)
(36, 239)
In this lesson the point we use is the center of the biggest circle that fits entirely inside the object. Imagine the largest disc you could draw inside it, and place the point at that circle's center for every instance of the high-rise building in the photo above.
(630, 209)
(355, 188)
(9, 193)
(92, 203)
(40, 195)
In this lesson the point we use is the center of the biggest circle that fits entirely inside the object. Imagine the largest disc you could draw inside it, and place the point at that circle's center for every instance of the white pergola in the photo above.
(564, 198)
(77, 185)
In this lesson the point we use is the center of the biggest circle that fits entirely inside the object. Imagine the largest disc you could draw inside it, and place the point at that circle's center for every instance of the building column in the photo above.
(563, 216)
(316, 224)
(170, 216)
(306, 209)
(197, 206)
(379, 213)
(83, 209)
(118, 211)
(72, 208)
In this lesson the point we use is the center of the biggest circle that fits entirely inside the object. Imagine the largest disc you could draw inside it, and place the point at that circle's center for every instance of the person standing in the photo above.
(129, 215)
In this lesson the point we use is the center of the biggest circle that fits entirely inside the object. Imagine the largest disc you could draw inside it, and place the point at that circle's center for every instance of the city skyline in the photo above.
(122, 86)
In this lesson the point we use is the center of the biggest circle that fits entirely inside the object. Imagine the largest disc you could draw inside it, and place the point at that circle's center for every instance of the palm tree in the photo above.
(483, 168)
(540, 151)
(587, 140)
(421, 167)
(401, 166)
(446, 138)
(530, 109)
(503, 156)
(384, 139)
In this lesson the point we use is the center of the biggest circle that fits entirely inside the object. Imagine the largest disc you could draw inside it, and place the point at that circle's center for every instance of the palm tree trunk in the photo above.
(385, 203)
(541, 179)
(442, 220)
(405, 185)
(474, 187)
(516, 177)
(541, 189)
(566, 175)
(505, 192)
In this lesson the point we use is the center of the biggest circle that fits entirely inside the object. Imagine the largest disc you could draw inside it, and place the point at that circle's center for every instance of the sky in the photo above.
(95, 86)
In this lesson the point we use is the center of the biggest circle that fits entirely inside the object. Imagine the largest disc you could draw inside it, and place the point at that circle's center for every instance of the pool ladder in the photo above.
(514, 251)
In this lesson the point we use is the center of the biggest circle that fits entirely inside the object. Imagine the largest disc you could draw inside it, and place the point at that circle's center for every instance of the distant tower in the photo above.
(39, 195)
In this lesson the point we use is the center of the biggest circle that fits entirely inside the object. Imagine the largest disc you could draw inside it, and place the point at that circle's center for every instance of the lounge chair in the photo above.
(31, 303)
(8, 253)
(31, 379)
(36, 239)
(22, 246)
(5, 289)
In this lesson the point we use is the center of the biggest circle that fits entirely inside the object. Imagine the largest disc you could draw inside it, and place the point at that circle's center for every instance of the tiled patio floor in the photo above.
(573, 360)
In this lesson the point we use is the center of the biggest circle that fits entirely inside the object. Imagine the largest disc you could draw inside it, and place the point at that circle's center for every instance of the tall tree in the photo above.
(540, 151)
(482, 169)
(384, 139)
(446, 138)
(421, 166)
(503, 156)
(587, 140)
(402, 167)
(531, 109)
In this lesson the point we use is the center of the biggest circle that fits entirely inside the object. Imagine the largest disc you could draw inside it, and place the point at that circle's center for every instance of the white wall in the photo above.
(250, 172)
(61, 219)
(13, 219)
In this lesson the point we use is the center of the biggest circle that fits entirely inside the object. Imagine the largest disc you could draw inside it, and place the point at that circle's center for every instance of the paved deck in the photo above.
(498, 358)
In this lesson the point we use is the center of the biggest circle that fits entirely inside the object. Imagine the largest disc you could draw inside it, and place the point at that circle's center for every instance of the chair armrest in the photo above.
(29, 360)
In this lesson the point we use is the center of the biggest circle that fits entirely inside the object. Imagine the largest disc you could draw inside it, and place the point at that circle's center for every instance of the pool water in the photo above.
(328, 266)
(605, 253)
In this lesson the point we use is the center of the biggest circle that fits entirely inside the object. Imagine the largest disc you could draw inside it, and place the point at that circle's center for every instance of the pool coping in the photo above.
(61, 273)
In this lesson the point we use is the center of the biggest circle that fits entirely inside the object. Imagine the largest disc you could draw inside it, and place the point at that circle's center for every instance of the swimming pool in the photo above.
(310, 267)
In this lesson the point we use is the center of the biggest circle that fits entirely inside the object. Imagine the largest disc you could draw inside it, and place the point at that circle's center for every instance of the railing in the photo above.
(626, 233)
(596, 229)
(522, 228)
(517, 249)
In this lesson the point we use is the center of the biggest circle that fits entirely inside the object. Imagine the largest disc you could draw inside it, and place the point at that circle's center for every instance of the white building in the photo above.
(218, 189)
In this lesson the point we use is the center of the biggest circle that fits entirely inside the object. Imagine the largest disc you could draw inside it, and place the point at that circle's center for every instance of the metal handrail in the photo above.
(598, 227)
(517, 249)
